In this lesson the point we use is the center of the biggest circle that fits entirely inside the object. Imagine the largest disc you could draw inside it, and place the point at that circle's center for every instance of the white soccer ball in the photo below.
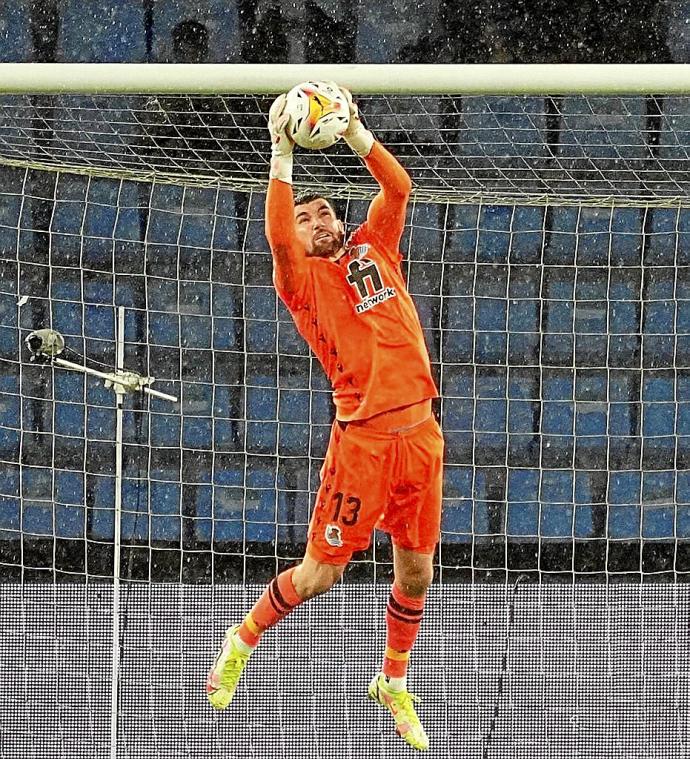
(319, 114)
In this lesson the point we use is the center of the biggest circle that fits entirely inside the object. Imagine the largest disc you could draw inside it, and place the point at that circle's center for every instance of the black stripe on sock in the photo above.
(400, 618)
(417, 613)
(279, 596)
(274, 603)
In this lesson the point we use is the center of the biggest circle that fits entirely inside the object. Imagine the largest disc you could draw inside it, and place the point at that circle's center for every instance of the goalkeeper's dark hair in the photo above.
(309, 196)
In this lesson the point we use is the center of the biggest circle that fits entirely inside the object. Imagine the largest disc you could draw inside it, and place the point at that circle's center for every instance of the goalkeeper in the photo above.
(383, 466)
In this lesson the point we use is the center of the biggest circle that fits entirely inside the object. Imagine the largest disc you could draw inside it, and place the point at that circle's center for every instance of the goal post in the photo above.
(363, 79)
(547, 248)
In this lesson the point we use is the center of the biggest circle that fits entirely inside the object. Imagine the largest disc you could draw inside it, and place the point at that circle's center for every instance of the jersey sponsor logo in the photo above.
(365, 277)
(333, 535)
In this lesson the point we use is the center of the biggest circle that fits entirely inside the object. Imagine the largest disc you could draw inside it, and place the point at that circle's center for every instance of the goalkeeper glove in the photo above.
(357, 136)
(281, 144)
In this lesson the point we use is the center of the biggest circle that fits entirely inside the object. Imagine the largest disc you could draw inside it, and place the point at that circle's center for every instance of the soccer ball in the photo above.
(319, 114)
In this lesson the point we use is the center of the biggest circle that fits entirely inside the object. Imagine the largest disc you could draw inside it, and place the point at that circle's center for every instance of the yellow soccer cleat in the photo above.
(401, 705)
(226, 671)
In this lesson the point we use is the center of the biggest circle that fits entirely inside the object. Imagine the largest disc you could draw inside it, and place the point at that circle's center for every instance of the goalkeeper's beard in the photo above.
(328, 246)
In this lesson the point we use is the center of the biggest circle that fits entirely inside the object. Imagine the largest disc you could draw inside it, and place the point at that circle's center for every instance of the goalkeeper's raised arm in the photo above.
(386, 217)
(281, 232)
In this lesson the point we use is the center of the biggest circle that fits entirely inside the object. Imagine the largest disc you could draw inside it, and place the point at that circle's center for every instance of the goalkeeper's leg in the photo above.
(414, 522)
(413, 572)
(283, 594)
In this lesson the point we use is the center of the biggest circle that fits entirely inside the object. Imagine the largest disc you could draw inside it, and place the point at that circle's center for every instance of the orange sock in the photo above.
(275, 603)
(403, 618)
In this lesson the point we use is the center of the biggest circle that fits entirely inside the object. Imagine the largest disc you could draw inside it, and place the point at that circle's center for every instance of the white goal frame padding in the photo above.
(400, 79)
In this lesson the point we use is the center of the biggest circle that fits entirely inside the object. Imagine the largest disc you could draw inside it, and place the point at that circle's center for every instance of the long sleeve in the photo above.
(386, 217)
(289, 258)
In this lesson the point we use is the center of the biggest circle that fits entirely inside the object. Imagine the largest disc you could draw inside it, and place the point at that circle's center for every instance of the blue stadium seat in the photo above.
(67, 317)
(197, 432)
(10, 406)
(461, 235)
(457, 503)
(458, 414)
(527, 235)
(69, 419)
(165, 528)
(37, 518)
(426, 235)
(659, 317)
(523, 315)
(490, 415)
(102, 515)
(70, 521)
(557, 417)
(584, 498)
(100, 423)
(456, 523)
(195, 332)
(135, 508)
(10, 517)
(494, 234)
(590, 418)
(624, 521)
(10, 440)
(262, 401)
(203, 513)
(99, 322)
(260, 303)
(164, 329)
(659, 504)
(511, 125)
(658, 419)
(523, 502)
(260, 504)
(262, 437)
(228, 503)
(556, 520)
(63, 287)
(293, 513)
(260, 336)
(521, 416)
(165, 495)
(624, 488)
(165, 429)
(322, 408)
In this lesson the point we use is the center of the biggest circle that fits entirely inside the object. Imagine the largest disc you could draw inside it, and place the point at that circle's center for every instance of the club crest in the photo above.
(333, 535)
(359, 251)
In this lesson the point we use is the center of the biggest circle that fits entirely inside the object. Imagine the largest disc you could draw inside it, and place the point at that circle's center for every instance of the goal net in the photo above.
(547, 248)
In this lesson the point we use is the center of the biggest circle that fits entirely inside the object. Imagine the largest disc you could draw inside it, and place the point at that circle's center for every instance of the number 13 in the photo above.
(354, 505)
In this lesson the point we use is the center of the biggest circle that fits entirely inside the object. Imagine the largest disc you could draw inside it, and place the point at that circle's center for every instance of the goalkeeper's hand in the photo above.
(281, 144)
(357, 136)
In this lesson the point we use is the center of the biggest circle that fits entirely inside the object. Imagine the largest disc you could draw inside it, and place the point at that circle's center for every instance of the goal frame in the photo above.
(365, 79)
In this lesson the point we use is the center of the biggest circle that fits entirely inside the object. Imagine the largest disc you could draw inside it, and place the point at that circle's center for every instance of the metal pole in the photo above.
(119, 395)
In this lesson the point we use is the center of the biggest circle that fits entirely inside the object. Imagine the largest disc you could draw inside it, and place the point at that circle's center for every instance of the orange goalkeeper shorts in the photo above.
(373, 479)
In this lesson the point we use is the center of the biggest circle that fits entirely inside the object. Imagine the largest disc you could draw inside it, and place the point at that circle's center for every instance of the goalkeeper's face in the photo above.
(319, 229)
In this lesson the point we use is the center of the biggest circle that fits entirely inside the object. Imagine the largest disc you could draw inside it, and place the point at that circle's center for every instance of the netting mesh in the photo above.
(559, 333)
(565, 149)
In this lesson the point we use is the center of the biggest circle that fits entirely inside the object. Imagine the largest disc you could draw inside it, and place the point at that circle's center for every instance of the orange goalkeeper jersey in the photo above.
(356, 313)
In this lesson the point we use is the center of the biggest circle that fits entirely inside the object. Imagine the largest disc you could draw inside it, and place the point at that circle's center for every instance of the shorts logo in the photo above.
(365, 277)
(333, 535)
